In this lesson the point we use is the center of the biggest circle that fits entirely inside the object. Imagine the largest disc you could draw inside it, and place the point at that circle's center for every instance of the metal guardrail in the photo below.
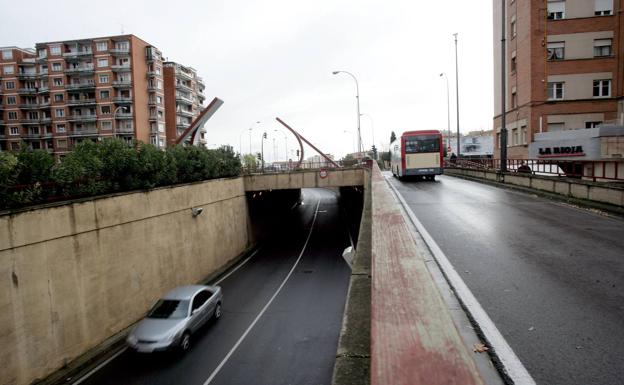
(277, 167)
(598, 170)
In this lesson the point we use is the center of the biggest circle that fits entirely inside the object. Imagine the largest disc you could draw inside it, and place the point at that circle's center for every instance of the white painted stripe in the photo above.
(264, 309)
(512, 365)
(237, 267)
(100, 366)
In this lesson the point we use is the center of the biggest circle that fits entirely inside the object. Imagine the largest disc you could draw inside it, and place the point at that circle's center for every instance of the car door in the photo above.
(198, 309)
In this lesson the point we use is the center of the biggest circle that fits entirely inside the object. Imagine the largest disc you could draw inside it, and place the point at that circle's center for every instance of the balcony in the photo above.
(27, 76)
(29, 121)
(27, 91)
(29, 106)
(31, 135)
(201, 81)
(82, 118)
(125, 130)
(183, 87)
(45, 120)
(80, 70)
(122, 83)
(121, 68)
(184, 100)
(122, 100)
(80, 102)
(186, 113)
(44, 90)
(80, 86)
(123, 115)
(77, 54)
(84, 132)
(184, 75)
(44, 105)
(183, 125)
(152, 74)
(120, 51)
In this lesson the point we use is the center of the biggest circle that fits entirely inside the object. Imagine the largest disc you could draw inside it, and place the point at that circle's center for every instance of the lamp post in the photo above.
(457, 92)
(357, 96)
(264, 135)
(372, 128)
(448, 109)
(285, 142)
(503, 133)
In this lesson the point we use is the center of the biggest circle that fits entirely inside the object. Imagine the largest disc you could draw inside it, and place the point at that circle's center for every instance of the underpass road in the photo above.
(549, 275)
(294, 341)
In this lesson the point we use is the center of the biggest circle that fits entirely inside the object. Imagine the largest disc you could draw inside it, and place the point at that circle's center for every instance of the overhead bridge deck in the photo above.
(306, 178)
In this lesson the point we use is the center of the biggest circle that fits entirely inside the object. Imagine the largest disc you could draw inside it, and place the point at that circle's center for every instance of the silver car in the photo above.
(175, 317)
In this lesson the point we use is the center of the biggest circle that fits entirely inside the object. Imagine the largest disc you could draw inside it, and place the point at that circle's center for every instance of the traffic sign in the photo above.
(323, 173)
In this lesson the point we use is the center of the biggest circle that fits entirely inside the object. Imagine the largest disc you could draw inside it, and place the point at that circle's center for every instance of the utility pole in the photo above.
(457, 92)
(503, 132)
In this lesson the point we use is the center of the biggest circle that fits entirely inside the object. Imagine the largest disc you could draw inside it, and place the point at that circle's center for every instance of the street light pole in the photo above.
(372, 128)
(448, 109)
(264, 135)
(457, 92)
(357, 96)
(503, 133)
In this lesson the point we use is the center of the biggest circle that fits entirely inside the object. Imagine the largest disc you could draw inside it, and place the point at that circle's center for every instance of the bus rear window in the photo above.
(416, 144)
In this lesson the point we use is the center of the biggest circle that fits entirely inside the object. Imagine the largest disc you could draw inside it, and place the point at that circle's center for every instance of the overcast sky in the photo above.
(274, 58)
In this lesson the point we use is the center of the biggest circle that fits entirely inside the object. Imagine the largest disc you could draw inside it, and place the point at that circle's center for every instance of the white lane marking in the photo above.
(346, 217)
(237, 267)
(512, 365)
(100, 366)
(264, 309)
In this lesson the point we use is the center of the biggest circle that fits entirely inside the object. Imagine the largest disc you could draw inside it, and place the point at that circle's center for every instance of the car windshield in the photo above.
(169, 308)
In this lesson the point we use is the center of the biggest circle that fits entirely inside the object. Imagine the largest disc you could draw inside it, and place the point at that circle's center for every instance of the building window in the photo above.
(55, 50)
(101, 46)
(57, 67)
(58, 97)
(42, 53)
(61, 143)
(43, 69)
(102, 62)
(106, 110)
(9, 85)
(604, 8)
(602, 88)
(12, 115)
(104, 94)
(103, 79)
(107, 125)
(11, 100)
(514, 63)
(556, 51)
(514, 100)
(556, 127)
(7, 54)
(514, 27)
(602, 47)
(58, 81)
(8, 70)
(523, 134)
(555, 91)
(14, 130)
(158, 100)
(59, 112)
(556, 10)
(122, 46)
(593, 124)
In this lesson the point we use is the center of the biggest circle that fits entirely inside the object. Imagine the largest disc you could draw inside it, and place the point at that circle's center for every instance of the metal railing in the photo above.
(277, 167)
(597, 170)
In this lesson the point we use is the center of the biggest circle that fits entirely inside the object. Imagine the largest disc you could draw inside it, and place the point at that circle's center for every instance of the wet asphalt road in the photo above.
(550, 276)
(293, 342)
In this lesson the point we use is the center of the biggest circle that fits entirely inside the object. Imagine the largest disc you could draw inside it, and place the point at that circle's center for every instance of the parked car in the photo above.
(174, 318)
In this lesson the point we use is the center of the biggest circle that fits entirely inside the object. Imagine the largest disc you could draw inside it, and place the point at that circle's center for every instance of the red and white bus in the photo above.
(418, 153)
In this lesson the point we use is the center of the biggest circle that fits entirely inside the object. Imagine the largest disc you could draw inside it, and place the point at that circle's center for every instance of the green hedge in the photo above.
(111, 165)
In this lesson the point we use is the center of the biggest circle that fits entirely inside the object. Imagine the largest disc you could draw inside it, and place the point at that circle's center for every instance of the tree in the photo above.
(374, 151)
(249, 162)
(392, 137)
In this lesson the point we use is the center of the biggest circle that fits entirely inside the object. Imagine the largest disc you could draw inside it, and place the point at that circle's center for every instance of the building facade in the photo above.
(184, 99)
(67, 91)
(564, 68)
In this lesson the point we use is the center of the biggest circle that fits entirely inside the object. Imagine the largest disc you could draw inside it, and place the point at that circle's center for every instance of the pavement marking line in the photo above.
(237, 267)
(264, 309)
(512, 366)
(100, 366)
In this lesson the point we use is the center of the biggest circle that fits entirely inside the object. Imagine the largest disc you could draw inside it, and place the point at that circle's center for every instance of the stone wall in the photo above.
(75, 274)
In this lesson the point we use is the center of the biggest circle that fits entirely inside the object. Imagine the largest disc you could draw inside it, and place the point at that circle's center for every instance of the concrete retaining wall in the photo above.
(75, 274)
(570, 188)
(305, 179)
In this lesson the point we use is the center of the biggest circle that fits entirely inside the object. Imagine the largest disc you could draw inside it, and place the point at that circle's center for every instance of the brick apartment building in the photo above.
(184, 97)
(564, 71)
(64, 92)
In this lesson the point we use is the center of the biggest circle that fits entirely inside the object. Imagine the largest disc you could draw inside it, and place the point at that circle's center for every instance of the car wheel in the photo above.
(217, 312)
(185, 342)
